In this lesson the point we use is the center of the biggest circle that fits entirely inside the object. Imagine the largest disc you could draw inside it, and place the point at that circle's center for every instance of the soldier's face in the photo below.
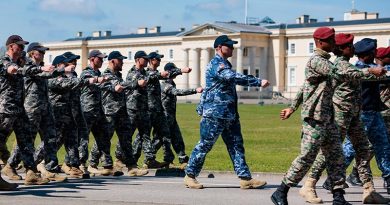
(97, 61)
(118, 64)
(17, 49)
(386, 60)
(328, 44)
(38, 55)
(227, 50)
(155, 62)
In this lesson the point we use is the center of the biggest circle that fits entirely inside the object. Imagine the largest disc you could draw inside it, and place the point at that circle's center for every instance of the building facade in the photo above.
(277, 52)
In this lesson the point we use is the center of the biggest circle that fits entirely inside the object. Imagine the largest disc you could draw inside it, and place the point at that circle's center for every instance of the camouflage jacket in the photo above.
(385, 96)
(76, 99)
(60, 91)
(12, 86)
(318, 87)
(169, 93)
(91, 99)
(113, 101)
(36, 96)
(137, 98)
(219, 98)
(154, 89)
(346, 95)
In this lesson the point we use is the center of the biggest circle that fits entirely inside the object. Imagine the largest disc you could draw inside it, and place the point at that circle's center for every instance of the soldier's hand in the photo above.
(199, 90)
(102, 79)
(47, 68)
(378, 71)
(12, 69)
(286, 113)
(92, 80)
(69, 68)
(164, 74)
(119, 88)
(142, 83)
(186, 70)
(264, 83)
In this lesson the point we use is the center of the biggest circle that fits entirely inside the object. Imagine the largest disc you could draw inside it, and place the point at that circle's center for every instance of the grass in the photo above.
(270, 143)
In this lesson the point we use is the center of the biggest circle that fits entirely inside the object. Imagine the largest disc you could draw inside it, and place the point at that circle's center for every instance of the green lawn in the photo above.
(270, 143)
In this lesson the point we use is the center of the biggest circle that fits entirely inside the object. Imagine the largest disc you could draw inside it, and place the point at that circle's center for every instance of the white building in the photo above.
(275, 52)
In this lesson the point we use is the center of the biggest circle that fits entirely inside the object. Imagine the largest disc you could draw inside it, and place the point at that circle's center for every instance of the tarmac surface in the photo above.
(164, 187)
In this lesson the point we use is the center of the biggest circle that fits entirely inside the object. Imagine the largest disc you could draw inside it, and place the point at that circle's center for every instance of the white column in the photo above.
(194, 78)
(205, 55)
(185, 64)
(239, 68)
(264, 62)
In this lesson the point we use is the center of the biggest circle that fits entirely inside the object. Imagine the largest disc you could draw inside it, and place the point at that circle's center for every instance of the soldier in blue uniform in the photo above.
(218, 108)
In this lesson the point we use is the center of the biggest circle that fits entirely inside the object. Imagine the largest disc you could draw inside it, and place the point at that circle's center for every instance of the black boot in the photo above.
(327, 184)
(354, 179)
(338, 197)
(387, 184)
(279, 197)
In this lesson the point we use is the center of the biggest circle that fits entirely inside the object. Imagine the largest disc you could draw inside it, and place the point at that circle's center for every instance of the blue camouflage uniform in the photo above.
(218, 108)
(374, 125)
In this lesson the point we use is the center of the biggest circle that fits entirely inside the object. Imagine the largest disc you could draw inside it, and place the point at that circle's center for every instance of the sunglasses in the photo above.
(157, 59)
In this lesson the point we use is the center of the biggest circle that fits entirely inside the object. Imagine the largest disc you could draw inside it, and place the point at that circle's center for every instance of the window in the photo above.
(130, 55)
(292, 76)
(171, 54)
(311, 47)
(292, 48)
(245, 52)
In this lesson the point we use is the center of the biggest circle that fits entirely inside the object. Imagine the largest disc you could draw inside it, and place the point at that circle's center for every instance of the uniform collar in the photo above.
(322, 53)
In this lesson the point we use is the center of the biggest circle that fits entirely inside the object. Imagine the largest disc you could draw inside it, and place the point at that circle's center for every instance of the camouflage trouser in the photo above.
(176, 140)
(67, 135)
(9, 123)
(375, 129)
(386, 119)
(161, 134)
(210, 129)
(97, 124)
(141, 120)
(316, 136)
(351, 125)
(43, 122)
(83, 137)
(120, 124)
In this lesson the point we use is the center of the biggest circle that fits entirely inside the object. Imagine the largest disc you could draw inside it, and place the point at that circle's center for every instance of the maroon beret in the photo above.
(343, 38)
(382, 52)
(323, 33)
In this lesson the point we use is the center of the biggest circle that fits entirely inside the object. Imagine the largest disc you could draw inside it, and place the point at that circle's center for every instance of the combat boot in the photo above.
(50, 175)
(251, 183)
(192, 183)
(370, 196)
(94, 171)
(75, 172)
(65, 168)
(11, 173)
(279, 197)
(183, 166)
(110, 171)
(84, 169)
(33, 178)
(354, 179)
(387, 180)
(338, 197)
(308, 191)
(154, 164)
(119, 165)
(5, 186)
(135, 171)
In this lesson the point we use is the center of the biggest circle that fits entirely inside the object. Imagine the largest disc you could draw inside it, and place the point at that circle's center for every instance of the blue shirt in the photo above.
(219, 98)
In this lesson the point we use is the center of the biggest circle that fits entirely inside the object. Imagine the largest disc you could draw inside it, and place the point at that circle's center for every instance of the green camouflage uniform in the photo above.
(318, 130)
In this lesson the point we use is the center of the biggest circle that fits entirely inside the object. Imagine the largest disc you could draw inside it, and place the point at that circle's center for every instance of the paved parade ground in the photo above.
(160, 187)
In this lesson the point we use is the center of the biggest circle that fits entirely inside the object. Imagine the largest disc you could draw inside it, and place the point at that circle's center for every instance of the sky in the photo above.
(57, 20)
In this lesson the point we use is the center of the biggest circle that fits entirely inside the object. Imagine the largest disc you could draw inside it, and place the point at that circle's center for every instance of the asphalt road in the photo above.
(160, 187)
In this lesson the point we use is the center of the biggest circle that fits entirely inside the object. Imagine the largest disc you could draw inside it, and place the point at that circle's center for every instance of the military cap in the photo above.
(365, 45)
(58, 59)
(96, 53)
(169, 66)
(224, 40)
(155, 55)
(383, 52)
(343, 38)
(69, 56)
(16, 39)
(116, 55)
(323, 33)
(36, 46)
(141, 54)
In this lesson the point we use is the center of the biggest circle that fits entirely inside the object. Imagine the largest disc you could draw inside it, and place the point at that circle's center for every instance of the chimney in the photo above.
(305, 19)
(182, 29)
(107, 33)
(79, 34)
(142, 30)
(195, 25)
(372, 15)
(156, 29)
(329, 19)
(312, 20)
(97, 34)
(298, 20)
